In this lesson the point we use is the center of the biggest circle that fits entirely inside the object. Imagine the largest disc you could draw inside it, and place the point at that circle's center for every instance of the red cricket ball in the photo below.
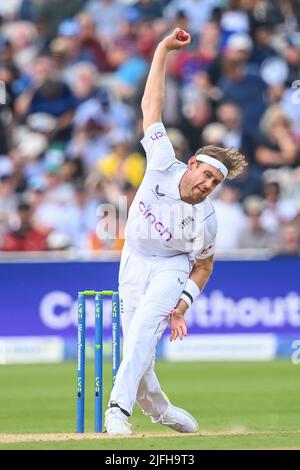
(181, 36)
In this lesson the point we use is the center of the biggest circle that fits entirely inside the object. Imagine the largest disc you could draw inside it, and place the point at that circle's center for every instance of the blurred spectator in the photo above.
(234, 20)
(290, 15)
(276, 145)
(3, 137)
(255, 236)
(35, 192)
(29, 147)
(79, 219)
(127, 35)
(24, 237)
(172, 109)
(180, 144)
(266, 11)
(277, 210)
(231, 117)
(148, 35)
(90, 44)
(149, 9)
(290, 96)
(130, 70)
(58, 191)
(9, 9)
(53, 198)
(29, 9)
(231, 218)
(129, 192)
(262, 48)
(289, 240)
(70, 114)
(68, 47)
(233, 135)
(274, 72)
(51, 14)
(214, 134)
(6, 53)
(289, 48)
(198, 12)
(35, 75)
(290, 105)
(122, 164)
(57, 241)
(55, 98)
(91, 137)
(107, 15)
(246, 91)
(197, 112)
(111, 213)
(189, 62)
(230, 77)
(82, 79)
(239, 47)
(72, 171)
(249, 183)
(8, 198)
(8, 74)
(180, 20)
(22, 36)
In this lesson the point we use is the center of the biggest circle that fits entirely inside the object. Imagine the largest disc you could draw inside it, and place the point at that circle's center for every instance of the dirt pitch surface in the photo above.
(11, 438)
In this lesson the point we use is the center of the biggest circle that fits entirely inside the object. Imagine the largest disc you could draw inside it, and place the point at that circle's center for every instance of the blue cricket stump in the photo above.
(98, 361)
(80, 364)
(116, 353)
(116, 343)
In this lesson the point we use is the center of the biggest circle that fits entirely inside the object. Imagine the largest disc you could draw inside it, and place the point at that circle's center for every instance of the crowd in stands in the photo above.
(72, 74)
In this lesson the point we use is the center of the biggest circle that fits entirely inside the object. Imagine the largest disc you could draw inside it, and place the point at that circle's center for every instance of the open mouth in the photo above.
(200, 189)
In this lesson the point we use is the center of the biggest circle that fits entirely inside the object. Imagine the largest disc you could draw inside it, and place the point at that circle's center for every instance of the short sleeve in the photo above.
(206, 252)
(210, 233)
(159, 150)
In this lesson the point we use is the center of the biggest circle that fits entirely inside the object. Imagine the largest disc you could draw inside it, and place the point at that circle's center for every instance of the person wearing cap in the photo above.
(168, 254)
(255, 235)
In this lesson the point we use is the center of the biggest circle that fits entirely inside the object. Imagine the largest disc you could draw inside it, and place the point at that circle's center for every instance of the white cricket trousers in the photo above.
(149, 287)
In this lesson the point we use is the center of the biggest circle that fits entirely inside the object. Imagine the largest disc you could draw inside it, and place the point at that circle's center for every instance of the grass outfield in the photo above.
(238, 406)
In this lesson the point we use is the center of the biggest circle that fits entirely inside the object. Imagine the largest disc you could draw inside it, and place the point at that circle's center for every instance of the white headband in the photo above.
(213, 162)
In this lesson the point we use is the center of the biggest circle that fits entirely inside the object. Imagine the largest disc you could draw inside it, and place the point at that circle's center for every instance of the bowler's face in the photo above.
(202, 179)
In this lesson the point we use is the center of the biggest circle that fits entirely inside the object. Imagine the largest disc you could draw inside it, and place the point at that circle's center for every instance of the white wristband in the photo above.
(190, 292)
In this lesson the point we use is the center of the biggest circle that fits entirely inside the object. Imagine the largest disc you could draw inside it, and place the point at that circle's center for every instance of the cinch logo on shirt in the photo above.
(150, 217)
(158, 135)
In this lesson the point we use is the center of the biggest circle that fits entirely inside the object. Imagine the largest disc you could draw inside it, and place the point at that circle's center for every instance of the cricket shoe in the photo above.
(178, 419)
(116, 422)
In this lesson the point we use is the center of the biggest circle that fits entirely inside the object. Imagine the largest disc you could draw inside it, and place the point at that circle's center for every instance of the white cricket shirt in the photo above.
(159, 222)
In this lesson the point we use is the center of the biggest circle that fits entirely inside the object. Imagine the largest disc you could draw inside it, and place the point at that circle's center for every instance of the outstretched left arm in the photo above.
(200, 274)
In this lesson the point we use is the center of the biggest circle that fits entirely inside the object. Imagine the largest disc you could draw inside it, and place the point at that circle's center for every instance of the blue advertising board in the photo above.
(39, 299)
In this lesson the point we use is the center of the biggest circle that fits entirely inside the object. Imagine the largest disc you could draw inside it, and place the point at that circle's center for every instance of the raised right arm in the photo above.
(153, 98)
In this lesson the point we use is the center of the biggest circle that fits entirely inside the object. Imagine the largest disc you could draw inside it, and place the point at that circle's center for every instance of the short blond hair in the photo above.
(271, 115)
(234, 161)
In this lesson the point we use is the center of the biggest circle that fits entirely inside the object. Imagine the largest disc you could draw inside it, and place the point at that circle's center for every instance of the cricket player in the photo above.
(167, 257)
